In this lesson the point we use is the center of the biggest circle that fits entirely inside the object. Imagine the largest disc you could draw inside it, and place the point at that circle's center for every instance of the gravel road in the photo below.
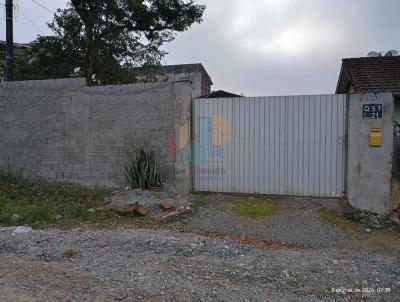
(165, 265)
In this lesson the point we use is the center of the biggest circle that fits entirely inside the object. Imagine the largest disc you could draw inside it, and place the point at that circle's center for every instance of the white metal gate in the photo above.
(292, 145)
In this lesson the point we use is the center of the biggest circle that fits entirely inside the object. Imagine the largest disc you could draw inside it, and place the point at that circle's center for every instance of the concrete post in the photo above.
(183, 115)
(369, 168)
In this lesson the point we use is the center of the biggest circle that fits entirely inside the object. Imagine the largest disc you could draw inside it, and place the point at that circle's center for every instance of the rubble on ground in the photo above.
(126, 209)
(22, 230)
(142, 211)
(166, 205)
(150, 203)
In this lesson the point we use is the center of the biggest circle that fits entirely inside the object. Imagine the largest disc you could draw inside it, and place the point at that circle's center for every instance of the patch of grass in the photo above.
(256, 207)
(338, 219)
(38, 203)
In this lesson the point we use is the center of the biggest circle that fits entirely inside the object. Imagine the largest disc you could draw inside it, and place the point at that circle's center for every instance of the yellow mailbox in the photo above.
(375, 137)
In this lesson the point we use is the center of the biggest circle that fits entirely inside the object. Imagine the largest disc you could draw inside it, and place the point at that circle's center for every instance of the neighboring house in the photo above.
(18, 49)
(370, 74)
(196, 73)
(377, 74)
(220, 94)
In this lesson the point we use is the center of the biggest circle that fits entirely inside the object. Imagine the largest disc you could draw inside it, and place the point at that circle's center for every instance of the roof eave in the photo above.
(339, 80)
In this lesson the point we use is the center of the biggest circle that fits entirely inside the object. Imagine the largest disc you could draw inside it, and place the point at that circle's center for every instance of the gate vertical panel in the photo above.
(307, 144)
(317, 131)
(195, 130)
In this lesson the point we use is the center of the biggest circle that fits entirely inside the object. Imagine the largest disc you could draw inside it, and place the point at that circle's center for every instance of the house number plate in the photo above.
(372, 111)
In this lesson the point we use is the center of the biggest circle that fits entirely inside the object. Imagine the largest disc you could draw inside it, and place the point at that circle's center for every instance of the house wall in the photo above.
(395, 193)
(370, 168)
(64, 131)
(200, 86)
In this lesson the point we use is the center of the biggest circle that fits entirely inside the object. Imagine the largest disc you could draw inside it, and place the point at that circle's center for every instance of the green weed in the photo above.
(38, 203)
(256, 207)
(338, 219)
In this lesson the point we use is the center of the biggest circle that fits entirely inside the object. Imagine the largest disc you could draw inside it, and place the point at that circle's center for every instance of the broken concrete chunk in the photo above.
(21, 230)
(126, 209)
(142, 211)
(166, 205)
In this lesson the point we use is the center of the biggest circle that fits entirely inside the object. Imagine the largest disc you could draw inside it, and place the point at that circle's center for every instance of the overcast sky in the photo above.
(264, 47)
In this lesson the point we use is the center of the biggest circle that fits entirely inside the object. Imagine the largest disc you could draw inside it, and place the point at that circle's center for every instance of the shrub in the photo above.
(371, 220)
(144, 171)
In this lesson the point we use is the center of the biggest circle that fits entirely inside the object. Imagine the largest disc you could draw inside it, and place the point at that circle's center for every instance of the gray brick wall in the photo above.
(62, 130)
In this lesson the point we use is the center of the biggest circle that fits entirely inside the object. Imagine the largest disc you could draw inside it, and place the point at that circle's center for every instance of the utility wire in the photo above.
(31, 21)
(42, 6)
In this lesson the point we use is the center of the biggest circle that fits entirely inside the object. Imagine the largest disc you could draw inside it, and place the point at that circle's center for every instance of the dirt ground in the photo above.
(33, 280)
(212, 255)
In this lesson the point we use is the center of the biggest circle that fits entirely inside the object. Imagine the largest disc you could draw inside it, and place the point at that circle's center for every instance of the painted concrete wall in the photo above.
(370, 168)
(62, 130)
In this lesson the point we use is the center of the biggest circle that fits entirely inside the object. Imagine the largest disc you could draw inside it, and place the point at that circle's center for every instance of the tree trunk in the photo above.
(89, 56)
(83, 10)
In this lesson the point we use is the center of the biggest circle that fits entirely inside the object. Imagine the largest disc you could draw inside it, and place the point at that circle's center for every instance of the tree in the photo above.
(47, 57)
(103, 39)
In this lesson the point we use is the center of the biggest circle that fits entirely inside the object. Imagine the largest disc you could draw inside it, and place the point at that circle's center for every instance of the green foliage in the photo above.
(336, 218)
(144, 171)
(46, 58)
(10, 177)
(256, 207)
(104, 39)
(2, 68)
(357, 220)
(38, 203)
(371, 220)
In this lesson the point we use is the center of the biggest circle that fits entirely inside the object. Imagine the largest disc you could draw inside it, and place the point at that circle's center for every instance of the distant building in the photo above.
(196, 73)
(18, 49)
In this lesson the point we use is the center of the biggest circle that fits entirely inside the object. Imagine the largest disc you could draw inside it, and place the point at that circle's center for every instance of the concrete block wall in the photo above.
(62, 130)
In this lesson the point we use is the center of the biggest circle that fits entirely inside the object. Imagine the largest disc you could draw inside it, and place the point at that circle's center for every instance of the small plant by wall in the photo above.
(144, 171)
(10, 176)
